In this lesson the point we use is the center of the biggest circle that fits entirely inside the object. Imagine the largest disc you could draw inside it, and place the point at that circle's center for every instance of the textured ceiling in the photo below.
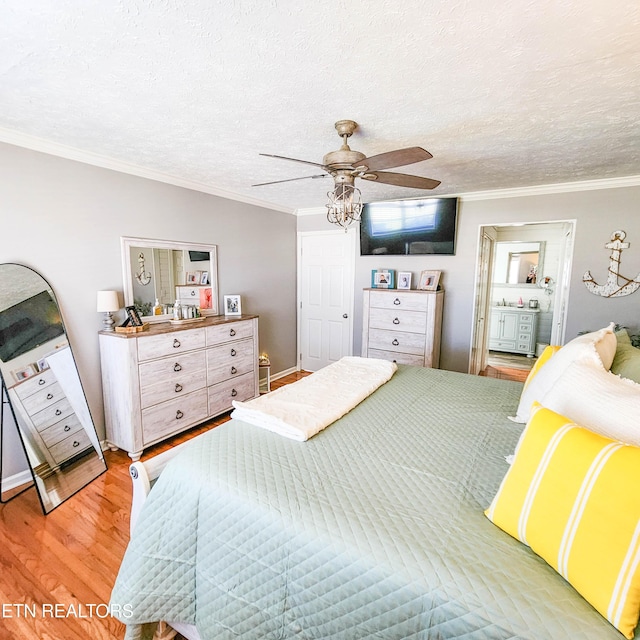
(503, 94)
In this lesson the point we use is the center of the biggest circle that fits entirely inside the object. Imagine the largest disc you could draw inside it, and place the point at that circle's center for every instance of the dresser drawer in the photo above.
(70, 446)
(400, 358)
(229, 331)
(35, 384)
(172, 343)
(396, 320)
(164, 379)
(56, 412)
(44, 398)
(221, 395)
(173, 416)
(397, 341)
(230, 360)
(398, 300)
(61, 430)
(502, 344)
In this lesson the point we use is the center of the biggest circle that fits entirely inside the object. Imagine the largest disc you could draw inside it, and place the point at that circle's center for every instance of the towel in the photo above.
(303, 408)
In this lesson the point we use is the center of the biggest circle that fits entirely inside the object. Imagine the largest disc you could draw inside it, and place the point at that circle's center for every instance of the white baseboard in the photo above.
(17, 480)
(286, 372)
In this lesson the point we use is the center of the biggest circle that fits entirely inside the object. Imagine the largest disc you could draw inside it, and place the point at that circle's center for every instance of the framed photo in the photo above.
(134, 317)
(383, 279)
(24, 373)
(42, 364)
(232, 306)
(192, 277)
(429, 280)
(404, 280)
(204, 277)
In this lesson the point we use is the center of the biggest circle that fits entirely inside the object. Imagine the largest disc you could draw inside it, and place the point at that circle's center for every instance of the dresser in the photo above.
(48, 421)
(402, 326)
(514, 330)
(160, 382)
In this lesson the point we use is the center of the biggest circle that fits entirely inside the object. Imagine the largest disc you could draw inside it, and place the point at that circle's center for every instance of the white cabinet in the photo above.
(48, 420)
(162, 381)
(514, 330)
(402, 326)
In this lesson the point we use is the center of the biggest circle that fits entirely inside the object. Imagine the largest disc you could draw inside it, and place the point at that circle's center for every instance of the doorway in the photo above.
(542, 290)
(326, 266)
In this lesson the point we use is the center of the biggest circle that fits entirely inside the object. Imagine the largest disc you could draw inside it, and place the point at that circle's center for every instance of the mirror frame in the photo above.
(127, 242)
(519, 285)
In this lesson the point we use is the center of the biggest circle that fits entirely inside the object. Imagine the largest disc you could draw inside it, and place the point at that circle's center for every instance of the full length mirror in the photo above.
(44, 390)
(518, 263)
(156, 273)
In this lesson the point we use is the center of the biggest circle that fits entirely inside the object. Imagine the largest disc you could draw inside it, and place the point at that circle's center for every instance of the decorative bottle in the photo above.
(157, 308)
(177, 311)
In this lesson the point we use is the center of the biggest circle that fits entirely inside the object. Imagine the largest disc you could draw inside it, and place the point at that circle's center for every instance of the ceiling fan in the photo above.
(345, 165)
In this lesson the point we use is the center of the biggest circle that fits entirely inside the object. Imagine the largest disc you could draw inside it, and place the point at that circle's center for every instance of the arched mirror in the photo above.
(43, 387)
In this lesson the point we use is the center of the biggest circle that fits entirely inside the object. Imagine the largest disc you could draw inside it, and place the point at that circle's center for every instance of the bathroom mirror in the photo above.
(44, 390)
(167, 271)
(518, 264)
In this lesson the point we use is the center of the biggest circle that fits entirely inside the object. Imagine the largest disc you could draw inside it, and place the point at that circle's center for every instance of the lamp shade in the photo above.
(108, 301)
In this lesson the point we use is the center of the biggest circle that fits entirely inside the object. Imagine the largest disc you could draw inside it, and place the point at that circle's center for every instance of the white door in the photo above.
(326, 262)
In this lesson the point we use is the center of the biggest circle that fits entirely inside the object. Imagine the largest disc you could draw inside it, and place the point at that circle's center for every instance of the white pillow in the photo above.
(598, 400)
(597, 347)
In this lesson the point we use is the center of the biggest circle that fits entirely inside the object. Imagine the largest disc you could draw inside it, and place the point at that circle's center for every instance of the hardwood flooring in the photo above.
(57, 571)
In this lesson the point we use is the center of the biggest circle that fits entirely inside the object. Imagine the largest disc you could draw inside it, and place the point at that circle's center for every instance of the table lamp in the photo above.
(108, 303)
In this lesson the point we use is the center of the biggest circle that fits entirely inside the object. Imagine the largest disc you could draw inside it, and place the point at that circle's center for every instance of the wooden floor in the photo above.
(57, 571)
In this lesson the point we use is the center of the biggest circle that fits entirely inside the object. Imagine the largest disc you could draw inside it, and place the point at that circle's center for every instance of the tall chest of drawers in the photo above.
(402, 326)
(162, 381)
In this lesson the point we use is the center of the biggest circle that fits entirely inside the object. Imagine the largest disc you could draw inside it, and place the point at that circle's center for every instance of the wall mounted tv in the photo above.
(28, 324)
(409, 227)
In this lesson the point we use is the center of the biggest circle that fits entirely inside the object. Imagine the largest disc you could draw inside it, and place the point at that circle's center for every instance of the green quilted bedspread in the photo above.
(374, 528)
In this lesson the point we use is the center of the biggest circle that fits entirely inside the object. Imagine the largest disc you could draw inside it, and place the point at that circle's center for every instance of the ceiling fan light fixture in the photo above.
(344, 206)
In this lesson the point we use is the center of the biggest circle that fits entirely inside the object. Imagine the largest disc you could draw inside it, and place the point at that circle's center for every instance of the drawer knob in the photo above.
(76, 443)
(58, 412)
(396, 301)
(234, 370)
(193, 293)
(49, 396)
(41, 381)
(176, 343)
(67, 427)
(396, 321)
(234, 393)
(177, 367)
(233, 352)
(395, 342)
(179, 414)
(232, 332)
(178, 387)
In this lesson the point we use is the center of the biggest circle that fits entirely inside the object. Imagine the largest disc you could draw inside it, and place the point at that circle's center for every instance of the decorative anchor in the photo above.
(142, 276)
(612, 288)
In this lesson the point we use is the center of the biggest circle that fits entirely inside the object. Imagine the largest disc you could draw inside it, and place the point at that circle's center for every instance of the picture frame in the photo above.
(232, 305)
(204, 277)
(134, 316)
(24, 373)
(42, 365)
(192, 277)
(383, 279)
(429, 280)
(404, 280)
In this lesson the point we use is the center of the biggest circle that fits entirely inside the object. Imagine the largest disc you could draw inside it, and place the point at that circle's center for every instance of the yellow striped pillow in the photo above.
(572, 496)
(545, 356)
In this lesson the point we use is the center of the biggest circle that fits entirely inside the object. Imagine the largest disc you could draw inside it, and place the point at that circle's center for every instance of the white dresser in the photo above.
(48, 420)
(160, 382)
(402, 326)
(514, 330)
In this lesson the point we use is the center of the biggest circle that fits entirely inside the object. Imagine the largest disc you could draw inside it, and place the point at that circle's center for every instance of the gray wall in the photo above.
(598, 213)
(65, 219)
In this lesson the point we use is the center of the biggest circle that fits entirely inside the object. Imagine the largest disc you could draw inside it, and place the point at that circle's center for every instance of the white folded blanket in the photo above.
(301, 409)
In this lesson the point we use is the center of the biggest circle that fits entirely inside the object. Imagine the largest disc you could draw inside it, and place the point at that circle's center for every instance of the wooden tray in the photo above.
(143, 327)
(188, 320)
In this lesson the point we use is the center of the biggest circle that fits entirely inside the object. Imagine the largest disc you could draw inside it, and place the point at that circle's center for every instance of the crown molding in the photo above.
(87, 157)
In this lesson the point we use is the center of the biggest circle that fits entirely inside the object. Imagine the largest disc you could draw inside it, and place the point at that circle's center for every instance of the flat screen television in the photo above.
(29, 324)
(406, 227)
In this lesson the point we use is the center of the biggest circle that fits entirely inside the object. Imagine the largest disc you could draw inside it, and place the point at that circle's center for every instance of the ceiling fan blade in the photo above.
(262, 184)
(401, 180)
(397, 158)
(315, 164)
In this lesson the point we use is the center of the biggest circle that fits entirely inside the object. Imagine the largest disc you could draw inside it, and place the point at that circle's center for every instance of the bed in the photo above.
(373, 528)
